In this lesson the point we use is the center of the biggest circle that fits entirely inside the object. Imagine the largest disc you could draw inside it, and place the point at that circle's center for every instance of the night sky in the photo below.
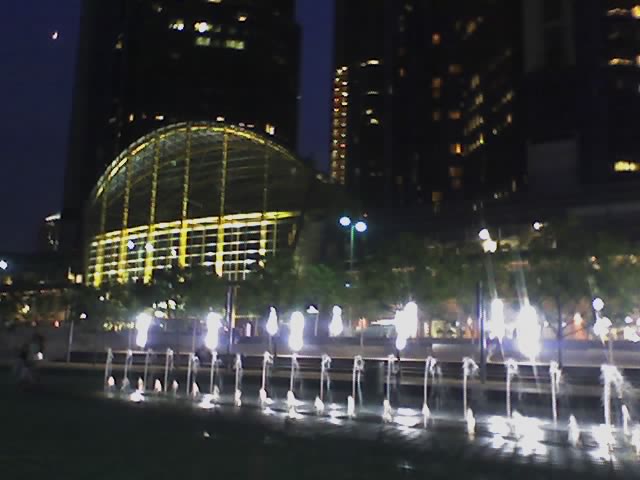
(35, 105)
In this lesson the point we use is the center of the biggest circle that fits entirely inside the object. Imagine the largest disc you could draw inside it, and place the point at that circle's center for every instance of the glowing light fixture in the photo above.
(272, 322)
(484, 234)
(361, 227)
(598, 304)
(296, 331)
(214, 323)
(335, 326)
(529, 333)
(143, 323)
(345, 221)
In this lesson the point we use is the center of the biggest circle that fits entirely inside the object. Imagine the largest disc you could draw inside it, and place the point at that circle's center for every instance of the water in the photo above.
(192, 371)
(611, 377)
(325, 366)
(429, 370)
(512, 370)
(127, 364)
(554, 373)
(237, 398)
(469, 368)
(108, 368)
(386, 406)
(267, 359)
(470, 420)
(573, 432)
(294, 369)
(356, 378)
(213, 370)
(626, 421)
(146, 367)
(168, 367)
(157, 386)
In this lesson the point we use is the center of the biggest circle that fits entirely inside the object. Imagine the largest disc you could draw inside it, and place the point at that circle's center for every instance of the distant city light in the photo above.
(83, 316)
(55, 35)
(3, 265)
(345, 221)
(598, 304)
(537, 226)
(131, 245)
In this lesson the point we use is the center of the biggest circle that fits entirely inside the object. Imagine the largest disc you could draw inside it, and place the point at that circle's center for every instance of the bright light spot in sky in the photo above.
(55, 35)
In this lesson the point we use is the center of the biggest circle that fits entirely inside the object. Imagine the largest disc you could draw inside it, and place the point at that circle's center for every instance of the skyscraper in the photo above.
(445, 100)
(147, 63)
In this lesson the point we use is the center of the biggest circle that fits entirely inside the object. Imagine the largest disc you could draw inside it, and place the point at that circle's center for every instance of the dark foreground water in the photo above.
(64, 428)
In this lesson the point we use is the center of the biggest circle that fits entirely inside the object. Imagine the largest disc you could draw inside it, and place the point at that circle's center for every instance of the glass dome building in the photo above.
(194, 194)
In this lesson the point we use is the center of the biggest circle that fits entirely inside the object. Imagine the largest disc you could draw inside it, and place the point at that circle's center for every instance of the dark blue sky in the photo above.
(35, 98)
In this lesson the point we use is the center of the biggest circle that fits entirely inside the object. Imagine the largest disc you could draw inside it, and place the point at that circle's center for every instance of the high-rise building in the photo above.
(143, 64)
(445, 100)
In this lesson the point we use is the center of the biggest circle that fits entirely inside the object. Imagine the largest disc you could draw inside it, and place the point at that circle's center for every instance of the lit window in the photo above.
(368, 111)
(177, 25)
(437, 115)
(635, 11)
(455, 115)
(620, 61)
(626, 166)
(119, 44)
(203, 41)
(456, 172)
(456, 148)
(219, 119)
(132, 117)
(455, 69)
(234, 44)
(374, 121)
(436, 39)
(509, 118)
(242, 17)
(203, 27)
(159, 117)
(373, 62)
(402, 72)
(436, 82)
(475, 81)
(373, 92)
(436, 197)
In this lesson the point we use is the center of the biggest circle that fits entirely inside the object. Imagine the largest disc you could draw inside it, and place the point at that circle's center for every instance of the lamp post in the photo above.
(359, 227)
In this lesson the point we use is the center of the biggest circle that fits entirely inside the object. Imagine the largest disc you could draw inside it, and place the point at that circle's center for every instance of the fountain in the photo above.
(213, 370)
(512, 369)
(174, 387)
(237, 396)
(611, 376)
(626, 421)
(192, 372)
(635, 439)
(108, 367)
(296, 342)
(146, 366)
(195, 390)
(386, 406)
(325, 366)
(111, 383)
(574, 432)
(168, 366)
(429, 369)
(469, 368)
(358, 367)
(267, 359)
(127, 364)
(471, 423)
(211, 340)
(215, 396)
(555, 373)
(140, 388)
(387, 413)
(157, 386)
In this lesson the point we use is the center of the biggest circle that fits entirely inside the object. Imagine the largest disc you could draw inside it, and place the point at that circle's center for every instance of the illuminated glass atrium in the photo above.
(194, 194)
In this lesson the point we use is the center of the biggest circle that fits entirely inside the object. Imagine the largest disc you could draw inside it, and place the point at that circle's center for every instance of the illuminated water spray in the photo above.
(108, 368)
(356, 387)
(336, 326)
(611, 377)
(429, 370)
(127, 365)
(555, 374)
(574, 432)
(296, 342)
(469, 368)
(512, 370)
(168, 367)
(267, 359)
(211, 341)
(325, 366)
(237, 397)
(529, 332)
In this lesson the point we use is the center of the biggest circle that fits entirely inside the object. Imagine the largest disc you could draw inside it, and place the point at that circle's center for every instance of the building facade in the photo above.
(143, 64)
(446, 101)
(205, 195)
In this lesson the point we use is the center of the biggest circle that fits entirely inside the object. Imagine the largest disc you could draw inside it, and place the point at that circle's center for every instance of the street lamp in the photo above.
(336, 327)
(3, 265)
(359, 227)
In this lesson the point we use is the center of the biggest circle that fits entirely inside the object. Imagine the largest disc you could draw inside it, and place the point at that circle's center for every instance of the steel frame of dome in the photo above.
(192, 194)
